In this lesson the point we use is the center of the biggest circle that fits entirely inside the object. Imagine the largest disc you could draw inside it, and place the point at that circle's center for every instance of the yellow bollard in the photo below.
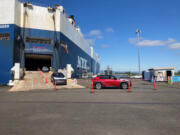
(68, 81)
(171, 81)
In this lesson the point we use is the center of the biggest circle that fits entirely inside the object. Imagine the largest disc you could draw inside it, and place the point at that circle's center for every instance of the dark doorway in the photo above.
(169, 73)
(33, 62)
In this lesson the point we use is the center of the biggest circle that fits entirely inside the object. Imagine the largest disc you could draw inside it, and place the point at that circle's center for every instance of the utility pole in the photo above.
(138, 39)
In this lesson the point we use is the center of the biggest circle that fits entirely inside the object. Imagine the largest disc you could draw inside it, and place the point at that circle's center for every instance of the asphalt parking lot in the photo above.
(105, 112)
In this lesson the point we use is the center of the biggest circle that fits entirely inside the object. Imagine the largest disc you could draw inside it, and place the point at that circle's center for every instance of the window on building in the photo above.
(4, 36)
(38, 40)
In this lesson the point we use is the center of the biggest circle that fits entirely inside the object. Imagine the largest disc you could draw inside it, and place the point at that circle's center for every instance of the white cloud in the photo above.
(91, 41)
(109, 30)
(175, 46)
(104, 46)
(99, 37)
(144, 42)
(94, 33)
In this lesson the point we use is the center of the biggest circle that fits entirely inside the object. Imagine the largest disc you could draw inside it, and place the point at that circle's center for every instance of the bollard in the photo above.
(92, 87)
(154, 84)
(54, 85)
(75, 81)
(171, 80)
(87, 83)
(129, 86)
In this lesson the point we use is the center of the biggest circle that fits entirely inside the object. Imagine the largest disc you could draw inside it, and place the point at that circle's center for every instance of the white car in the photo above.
(59, 78)
(136, 77)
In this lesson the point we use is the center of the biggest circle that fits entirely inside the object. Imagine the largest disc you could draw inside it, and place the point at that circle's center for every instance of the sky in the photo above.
(110, 27)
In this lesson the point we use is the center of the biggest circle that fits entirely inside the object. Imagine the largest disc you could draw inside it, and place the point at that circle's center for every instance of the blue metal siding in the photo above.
(60, 57)
(11, 51)
(6, 55)
(35, 48)
(72, 56)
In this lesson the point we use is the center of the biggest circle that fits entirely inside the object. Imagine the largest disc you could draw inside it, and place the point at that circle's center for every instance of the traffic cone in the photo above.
(46, 80)
(55, 85)
(154, 84)
(129, 86)
(87, 83)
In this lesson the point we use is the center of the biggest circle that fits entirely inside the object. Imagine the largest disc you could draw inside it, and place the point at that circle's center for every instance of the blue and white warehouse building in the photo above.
(36, 36)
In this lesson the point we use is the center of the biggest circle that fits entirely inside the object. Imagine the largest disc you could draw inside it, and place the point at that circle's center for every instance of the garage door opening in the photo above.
(33, 62)
(169, 73)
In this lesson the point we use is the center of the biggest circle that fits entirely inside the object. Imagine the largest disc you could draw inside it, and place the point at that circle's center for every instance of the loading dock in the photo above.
(33, 62)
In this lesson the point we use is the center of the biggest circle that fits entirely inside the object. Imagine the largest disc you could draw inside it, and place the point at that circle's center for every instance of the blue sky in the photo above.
(110, 28)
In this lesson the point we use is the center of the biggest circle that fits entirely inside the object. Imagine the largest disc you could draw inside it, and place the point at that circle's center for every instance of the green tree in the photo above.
(128, 74)
(178, 72)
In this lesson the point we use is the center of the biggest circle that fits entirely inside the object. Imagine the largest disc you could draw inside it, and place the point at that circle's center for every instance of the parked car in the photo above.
(59, 78)
(102, 81)
(45, 69)
(136, 77)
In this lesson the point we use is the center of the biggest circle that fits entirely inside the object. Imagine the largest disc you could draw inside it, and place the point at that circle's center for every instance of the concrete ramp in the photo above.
(33, 80)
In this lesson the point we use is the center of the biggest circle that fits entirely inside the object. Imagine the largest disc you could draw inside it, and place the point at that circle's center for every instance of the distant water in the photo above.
(121, 76)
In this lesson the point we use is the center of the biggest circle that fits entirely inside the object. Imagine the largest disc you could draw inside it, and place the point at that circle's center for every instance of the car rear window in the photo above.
(58, 75)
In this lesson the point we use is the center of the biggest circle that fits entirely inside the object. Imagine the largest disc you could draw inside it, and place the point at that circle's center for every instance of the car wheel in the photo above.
(124, 85)
(98, 86)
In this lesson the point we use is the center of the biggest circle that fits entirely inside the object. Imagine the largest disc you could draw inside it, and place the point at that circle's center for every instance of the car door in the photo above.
(114, 82)
(104, 80)
(109, 81)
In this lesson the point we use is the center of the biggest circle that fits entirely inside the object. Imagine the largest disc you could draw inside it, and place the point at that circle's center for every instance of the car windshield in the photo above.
(58, 75)
(113, 77)
(45, 68)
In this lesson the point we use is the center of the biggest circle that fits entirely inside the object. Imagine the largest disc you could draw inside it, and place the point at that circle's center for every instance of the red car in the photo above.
(110, 81)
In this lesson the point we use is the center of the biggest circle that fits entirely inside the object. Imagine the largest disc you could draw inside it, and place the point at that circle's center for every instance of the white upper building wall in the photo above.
(17, 13)
(37, 18)
(7, 14)
(13, 12)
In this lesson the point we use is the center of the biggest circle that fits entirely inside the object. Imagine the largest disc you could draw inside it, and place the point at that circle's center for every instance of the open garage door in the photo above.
(33, 62)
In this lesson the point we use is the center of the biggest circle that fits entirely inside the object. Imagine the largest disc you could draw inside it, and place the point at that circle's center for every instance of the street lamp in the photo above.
(138, 39)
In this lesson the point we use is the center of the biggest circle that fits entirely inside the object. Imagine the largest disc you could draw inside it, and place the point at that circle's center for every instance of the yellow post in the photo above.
(171, 81)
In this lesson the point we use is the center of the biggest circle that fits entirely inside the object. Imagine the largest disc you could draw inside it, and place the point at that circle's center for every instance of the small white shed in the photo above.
(161, 74)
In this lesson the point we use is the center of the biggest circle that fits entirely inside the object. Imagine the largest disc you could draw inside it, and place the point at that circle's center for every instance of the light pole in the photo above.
(138, 38)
